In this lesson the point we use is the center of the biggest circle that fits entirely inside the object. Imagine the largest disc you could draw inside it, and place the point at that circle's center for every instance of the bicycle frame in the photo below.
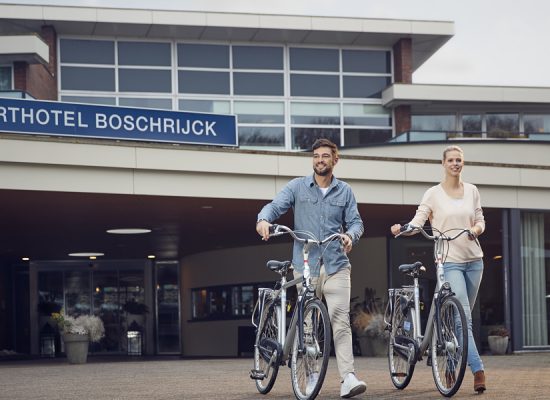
(443, 289)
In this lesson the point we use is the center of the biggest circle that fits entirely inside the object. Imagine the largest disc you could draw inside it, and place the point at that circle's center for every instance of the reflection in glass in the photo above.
(203, 82)
(168, 308)
(366, 114)
(315, 113)
(82, 51)
(260, 112)
(77, 293)
(109, 101)
(303, 138)
(314, 85)
(260, 84)
(203, 55)
(88, 78)
(502, 125)
(106, 298)
(261, 136)
(5, 78)
(144, 53)
(257, 57)
(369, 87)
(163, 104)
(471, 125)
(356, 137)
(208, 106)
(309, 59)
(242, 300)
(439, 123)
(536, 123)
(370, 61)
(144, 80)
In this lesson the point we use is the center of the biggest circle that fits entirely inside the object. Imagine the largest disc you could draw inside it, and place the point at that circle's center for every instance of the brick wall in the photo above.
(39, 80)
(402, 53)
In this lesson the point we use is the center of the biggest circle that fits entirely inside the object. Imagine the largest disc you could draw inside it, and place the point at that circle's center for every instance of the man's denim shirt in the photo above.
(322, 216)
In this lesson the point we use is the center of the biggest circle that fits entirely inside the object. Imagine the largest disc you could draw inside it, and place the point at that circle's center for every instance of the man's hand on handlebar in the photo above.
(262, 227)
(346, 242)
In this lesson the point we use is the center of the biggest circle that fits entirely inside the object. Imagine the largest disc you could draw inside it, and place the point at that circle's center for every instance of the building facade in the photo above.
(288, 80)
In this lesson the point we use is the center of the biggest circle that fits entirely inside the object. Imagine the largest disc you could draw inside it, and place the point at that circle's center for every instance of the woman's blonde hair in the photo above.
(452, 148)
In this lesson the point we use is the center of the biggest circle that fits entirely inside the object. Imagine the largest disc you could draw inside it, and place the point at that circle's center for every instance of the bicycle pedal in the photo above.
(257, 374)
(429, 360)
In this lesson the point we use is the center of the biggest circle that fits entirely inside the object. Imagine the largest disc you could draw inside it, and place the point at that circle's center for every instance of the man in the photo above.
(324, 205)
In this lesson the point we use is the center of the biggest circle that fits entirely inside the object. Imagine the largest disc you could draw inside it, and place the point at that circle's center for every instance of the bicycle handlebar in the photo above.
(277, 230)
(409, 228)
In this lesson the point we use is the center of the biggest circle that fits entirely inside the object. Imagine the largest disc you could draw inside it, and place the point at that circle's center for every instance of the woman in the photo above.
(456, 204)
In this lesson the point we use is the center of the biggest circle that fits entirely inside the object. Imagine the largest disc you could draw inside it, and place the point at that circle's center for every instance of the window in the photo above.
(225, 302)
(5, 78)
(471, 125)
(502, 125)
(436, 123)
(266, 86)
(536, 123)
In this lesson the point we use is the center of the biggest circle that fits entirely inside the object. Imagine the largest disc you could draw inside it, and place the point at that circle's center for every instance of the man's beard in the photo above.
(324, 172)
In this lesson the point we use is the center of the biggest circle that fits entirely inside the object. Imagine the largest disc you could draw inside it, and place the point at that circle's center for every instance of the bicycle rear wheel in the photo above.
(265, 362)
(309, 365)
(402, 334)
(449, 347)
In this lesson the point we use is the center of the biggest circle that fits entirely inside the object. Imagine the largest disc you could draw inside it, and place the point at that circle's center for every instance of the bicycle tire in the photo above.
(401, 369)
(449, 358)
(266, 334)
(314, 359)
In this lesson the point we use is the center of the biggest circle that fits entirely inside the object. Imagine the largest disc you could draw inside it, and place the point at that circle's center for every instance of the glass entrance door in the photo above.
(168, 308)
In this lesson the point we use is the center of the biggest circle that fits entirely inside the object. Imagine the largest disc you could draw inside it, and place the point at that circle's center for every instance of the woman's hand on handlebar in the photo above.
(395, 229)
(262, 227)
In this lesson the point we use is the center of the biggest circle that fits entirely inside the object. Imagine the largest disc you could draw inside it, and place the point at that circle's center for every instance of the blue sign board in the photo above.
(95, 121)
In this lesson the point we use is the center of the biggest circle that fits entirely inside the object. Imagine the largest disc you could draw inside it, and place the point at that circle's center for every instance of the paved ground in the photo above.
(522, 376)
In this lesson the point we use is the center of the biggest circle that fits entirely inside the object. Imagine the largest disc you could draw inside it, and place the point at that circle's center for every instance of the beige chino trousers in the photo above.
(336, 289)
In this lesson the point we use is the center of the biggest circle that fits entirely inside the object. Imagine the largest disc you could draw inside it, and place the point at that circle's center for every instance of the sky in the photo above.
(496, 42)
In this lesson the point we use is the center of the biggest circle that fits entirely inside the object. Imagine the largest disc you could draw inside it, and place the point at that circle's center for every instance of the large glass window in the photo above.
(168, 307)
(471, 125)
(224, 302)
(223, 78)
(535, 260)
(372, 61)
(257, 57)
(536, 123)
(502, 125)
(5, 78)
(436, 123)
(144, 53)
(82, 51)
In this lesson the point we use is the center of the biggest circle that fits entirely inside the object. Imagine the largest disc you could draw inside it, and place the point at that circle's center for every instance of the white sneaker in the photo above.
(352, 386)
(311, 382)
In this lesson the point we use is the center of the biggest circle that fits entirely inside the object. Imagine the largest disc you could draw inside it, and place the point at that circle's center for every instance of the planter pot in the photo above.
(76, 347)
(498, 344)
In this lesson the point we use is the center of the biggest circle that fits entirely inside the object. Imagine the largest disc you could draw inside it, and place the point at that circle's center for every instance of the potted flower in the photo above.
(498, 339)
(371, 331)
(77, 333)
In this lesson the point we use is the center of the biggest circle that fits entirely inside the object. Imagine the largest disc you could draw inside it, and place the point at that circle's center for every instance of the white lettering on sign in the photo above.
(30, 116)
(155, 124)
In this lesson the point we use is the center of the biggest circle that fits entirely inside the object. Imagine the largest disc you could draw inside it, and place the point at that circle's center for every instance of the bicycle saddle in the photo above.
(412, 269)
(279, 266)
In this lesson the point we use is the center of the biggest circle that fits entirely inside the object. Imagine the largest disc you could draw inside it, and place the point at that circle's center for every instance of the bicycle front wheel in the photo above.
(309, 365)
(449, 347)
(401, 338)
(266, 361)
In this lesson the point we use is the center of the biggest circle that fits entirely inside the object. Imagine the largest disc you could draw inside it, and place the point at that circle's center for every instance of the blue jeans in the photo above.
(465, 279)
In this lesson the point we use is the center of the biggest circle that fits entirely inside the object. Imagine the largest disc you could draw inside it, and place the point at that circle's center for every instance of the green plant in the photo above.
(499, 331)
(82, 325)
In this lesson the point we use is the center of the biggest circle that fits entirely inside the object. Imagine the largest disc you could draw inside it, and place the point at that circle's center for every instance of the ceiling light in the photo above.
(207, 207)
(497, 257)
(93, 257)
(128, 231)
(86, 254)
(25, 258)
(151, 256)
